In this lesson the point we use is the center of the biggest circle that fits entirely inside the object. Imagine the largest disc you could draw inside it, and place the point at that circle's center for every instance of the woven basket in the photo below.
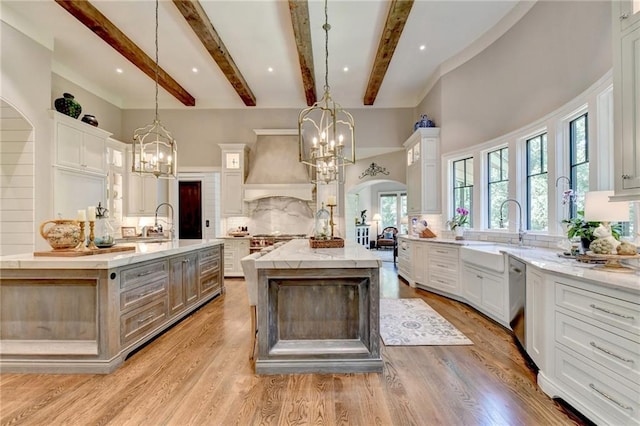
(334, 243)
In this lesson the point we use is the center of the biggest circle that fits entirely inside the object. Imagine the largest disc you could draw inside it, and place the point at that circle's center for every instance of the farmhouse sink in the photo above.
(485, 256)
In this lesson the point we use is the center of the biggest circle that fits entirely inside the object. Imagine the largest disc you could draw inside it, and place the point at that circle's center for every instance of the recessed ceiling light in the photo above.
(194, 69)
(119, 70)
(345, 69)
(270, 69)
(422, 47)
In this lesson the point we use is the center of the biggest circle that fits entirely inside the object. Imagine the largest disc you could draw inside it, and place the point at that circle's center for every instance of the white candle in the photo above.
(332, 200)
(82, 216)
(91, 215)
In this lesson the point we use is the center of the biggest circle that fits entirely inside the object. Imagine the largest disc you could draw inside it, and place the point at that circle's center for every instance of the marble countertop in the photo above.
(297, 254)
(143, 252)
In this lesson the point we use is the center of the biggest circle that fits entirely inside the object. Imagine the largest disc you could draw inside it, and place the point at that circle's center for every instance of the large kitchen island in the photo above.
(86, 314)
(318, 310)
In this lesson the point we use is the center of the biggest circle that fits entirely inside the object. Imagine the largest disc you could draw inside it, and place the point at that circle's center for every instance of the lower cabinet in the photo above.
(234, 250)
(443, 268)
(486, 291)
(210, 278)
(404, 259)
(183, 282)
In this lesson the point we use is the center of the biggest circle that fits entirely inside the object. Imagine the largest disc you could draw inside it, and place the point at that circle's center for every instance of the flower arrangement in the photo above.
(569, 196)
(460, 218)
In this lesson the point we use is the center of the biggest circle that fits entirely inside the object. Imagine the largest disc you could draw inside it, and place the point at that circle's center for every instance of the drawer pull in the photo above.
(441, 266)
(441, 252)
(142, 274)
(608, 352)
(624, 407)
(147, 292)
(145, 319)
(611, 312)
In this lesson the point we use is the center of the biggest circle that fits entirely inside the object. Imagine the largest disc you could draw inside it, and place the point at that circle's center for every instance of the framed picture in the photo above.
(128, 231)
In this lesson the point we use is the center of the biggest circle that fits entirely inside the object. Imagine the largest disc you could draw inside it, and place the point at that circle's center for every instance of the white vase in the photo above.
(459, 232)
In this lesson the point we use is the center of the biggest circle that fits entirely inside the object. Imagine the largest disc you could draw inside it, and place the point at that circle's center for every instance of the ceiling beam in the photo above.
(299, 10)
(199, 21)
(397, 17)
(93, 19)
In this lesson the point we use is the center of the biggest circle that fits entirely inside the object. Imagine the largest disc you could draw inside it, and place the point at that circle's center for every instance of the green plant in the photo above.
(578, 227)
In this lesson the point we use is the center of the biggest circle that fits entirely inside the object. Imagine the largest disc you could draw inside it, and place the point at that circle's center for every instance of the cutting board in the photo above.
(73, 253)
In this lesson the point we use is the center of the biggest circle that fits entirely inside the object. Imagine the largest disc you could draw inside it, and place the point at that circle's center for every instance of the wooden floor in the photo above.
(198, 373)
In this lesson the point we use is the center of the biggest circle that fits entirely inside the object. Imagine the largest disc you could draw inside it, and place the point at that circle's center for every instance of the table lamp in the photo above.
(598, 208)
(377, 218)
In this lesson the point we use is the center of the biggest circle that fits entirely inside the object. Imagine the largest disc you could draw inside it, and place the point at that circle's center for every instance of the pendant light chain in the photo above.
(326, 28)
(157, 60)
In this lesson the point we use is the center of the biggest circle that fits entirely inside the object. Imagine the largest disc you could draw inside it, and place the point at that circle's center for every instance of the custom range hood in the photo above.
(275, 169)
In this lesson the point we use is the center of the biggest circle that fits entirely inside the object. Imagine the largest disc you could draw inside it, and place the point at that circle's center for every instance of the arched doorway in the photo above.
(17, 178)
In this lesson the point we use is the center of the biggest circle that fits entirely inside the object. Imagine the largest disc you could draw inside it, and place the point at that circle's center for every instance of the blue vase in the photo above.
(424, 122)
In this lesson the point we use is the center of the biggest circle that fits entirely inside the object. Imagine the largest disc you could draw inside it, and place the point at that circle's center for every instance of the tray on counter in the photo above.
(74, 253)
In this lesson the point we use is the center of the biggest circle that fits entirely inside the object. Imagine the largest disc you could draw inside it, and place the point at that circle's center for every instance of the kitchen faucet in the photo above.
(520, 230)
(171, 230)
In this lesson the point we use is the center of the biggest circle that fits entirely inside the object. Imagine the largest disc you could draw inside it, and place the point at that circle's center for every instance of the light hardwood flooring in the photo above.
(198, 373)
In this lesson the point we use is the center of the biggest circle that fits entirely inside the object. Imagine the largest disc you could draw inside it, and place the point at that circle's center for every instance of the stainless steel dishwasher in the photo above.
(517, 299)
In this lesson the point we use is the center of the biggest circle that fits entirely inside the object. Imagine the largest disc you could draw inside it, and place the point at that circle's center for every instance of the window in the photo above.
(498, 184)
(579, 162)
(392, 207)
(463, 186)
(537, 183)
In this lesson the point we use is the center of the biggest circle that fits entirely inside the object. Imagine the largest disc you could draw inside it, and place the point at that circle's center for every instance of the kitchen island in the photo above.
(86, 314)
(318, 310)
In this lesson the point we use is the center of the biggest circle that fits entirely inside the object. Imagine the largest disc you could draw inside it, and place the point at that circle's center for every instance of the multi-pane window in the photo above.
(393, 206)
(537, 198)
(498, 184)
(463, 186)
(579, 161)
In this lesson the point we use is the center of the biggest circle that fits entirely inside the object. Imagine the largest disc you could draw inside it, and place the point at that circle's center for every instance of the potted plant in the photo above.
(578, 227)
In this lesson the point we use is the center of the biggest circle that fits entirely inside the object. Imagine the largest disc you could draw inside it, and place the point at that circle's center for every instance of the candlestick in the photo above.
(82, 216)
(92, 245)
(81, 245)
(91, 213)
(331, 223)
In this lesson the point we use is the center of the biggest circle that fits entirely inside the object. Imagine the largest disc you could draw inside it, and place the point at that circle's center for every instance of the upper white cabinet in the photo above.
(144, 192)
(234, 171)
(79, 145)
(423, 171)
(626, 87)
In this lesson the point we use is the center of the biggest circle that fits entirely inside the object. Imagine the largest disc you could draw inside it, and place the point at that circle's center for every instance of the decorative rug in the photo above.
(386, 255)
(411, 322)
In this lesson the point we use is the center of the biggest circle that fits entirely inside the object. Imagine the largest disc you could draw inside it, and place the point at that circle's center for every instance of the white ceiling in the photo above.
(258, 35)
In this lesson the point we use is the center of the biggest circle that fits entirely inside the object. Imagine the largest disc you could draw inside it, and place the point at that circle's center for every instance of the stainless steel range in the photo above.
(260, 241)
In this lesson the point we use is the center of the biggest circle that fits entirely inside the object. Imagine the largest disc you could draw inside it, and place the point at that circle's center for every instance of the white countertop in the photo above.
(143, 252)
(297, 254)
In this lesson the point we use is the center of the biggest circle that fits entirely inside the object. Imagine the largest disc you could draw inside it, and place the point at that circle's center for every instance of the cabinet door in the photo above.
(177, 298)
(68, 146)
(419, 263)
(431, 188)
(630, 121)
(142, 197)
(494, 296)
(190, 278)
(472, 285)
(94, 153)
(232, 193)
(414, 188)
(535, 320)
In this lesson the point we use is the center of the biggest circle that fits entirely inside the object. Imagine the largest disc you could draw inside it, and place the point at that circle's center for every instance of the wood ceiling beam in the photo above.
(197, 18)
(299, 10)
(396, 19)
(93, 19)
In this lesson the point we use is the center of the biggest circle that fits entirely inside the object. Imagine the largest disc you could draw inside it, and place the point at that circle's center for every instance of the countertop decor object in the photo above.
(64, 234)
(90, 119)
(335, 242)
(67, 105)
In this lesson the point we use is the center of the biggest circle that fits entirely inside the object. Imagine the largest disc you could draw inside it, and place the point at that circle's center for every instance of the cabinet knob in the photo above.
(624, 16)
(626, 177)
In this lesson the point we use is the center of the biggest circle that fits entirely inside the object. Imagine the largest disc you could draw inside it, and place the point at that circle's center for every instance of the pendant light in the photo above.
(326, 131)
(154, 149)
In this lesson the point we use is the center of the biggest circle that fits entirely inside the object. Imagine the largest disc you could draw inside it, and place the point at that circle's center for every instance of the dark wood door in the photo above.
(190, 207)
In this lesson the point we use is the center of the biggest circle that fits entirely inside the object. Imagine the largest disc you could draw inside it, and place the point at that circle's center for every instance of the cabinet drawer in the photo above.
(444, 282)
(139, 322)
(612, 395)
(210, 267)
(609, 310)
(444, 252)
(140, 295)
(618, 354)
(443, 266)
(143, 274)
(210, 283)
(209, 255)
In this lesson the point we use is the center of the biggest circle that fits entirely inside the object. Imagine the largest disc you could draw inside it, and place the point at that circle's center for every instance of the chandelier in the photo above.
(326, 131)
(154, 149)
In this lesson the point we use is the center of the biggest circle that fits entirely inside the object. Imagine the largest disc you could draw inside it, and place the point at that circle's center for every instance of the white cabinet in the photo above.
(144, 192)
(234, 171)
(404, 259)
(423, 171)
(419, 262)
(487, 291)
(362, 235)
(626, 84)
(535, 320)
(79, 145)
(234, 250)
(443, 268)
(116, 180)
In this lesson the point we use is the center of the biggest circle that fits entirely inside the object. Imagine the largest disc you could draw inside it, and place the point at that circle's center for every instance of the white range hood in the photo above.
(302, 191)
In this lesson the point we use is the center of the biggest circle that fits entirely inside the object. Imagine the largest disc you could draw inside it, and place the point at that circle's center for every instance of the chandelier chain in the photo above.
(326, 27)
(157, 60)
